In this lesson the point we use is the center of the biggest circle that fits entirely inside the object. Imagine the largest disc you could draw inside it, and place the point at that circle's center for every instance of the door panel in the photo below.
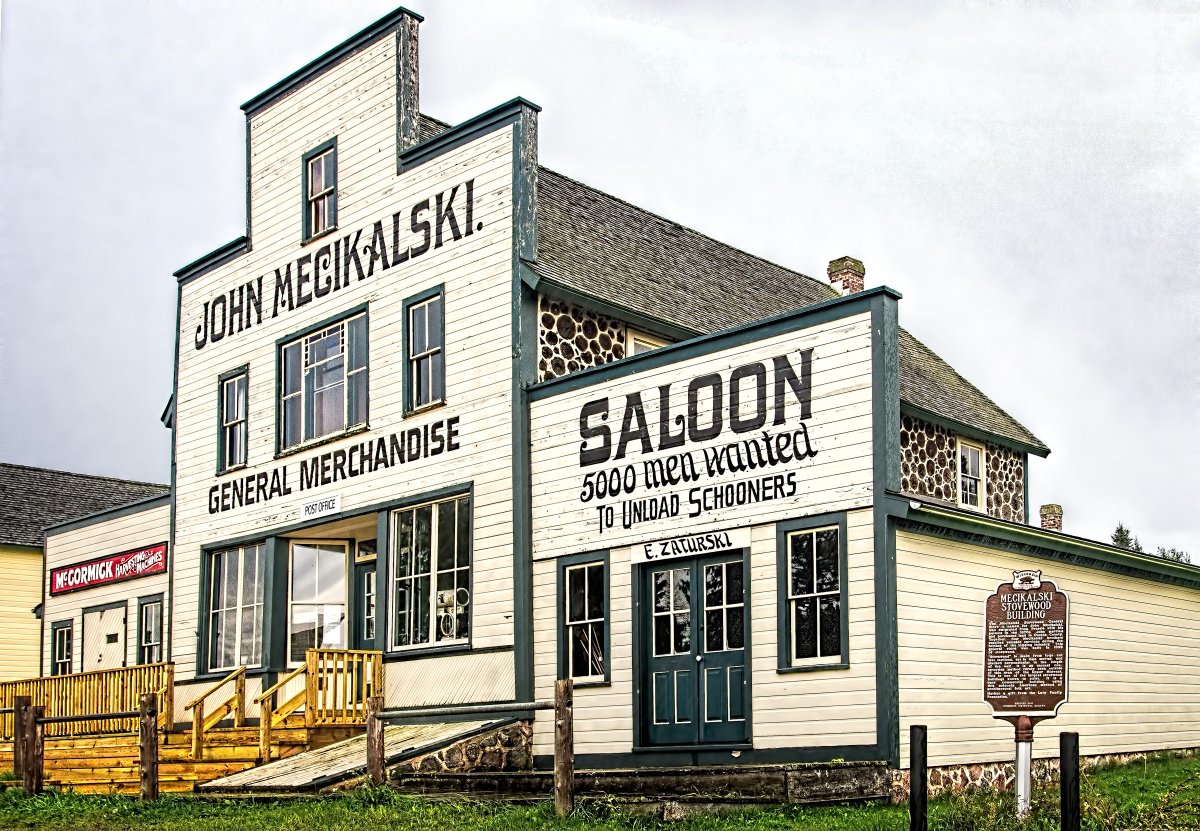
(695, 636)
(103, 639)
(364, 636)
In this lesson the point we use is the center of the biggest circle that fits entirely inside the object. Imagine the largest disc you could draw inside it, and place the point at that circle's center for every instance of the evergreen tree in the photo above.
(1173, 554)
(1121, 538)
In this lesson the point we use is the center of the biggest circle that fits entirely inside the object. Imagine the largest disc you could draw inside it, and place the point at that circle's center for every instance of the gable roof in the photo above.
(34, 498)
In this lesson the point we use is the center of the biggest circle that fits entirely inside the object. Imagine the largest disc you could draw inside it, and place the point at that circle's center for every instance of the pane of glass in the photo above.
(418, 340)
(804, 615)
(596, 648)
(579, 652)
(662, 592)
(291, 421)
(229, 593)
(714, 582)
(714, 630)
(831, 626)
(303, 631)
(250, 581)
(316, 175)
(227, 638)
(234, 452)
(595, 592)
(434, 322)
(733, 583)
(683, 632)
(421, 601)
(402, 612)
(356, 336)
(327, 373)
(576, 588)
(827, 560)
(437, 384)
(445, 529)
(331, 574)
(332, 631)
(239, 397)
(464, 532)
(328, 413)
(802, 564)
(662, 635)
(248, 621)
(735, 629)
(356, 399)
(404, 558)
(326, 345)
(681, 580)
(422, 539)
(330, 170)
(259, 554)
(291, 368)
(970, 488)
(304, 573)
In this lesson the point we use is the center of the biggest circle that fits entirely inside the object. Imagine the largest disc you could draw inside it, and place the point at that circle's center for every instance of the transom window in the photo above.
(324, 388)
(150, 632)
(236, 604)
(814, 594)
(970, 475)
(233, 421)
(431, 574)
(320, 190)
(425, 365)
(584, 618)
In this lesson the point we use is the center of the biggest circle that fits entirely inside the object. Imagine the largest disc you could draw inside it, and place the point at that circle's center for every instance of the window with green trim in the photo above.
(431, 574)
(585, 621)
(150, 630)
(62, 636)
(234, 422)
(323, 389)
(320, 189)
(424, 356)
(813, 626)
(237, 581)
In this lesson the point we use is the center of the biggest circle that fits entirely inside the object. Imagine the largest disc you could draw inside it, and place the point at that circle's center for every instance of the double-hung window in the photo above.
(583, 593)
(320, 189)
(424, 352)
(233, 406)
(813, 618)
(150, 631)
(324, 384)
(236, 577)
(971, 484)
(431, 574)
(61, 651)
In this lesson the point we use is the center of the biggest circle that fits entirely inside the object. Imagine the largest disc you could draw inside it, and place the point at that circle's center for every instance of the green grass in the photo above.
(1159, 795)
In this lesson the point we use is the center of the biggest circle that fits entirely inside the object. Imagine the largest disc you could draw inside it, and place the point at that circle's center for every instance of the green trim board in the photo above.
(825, 311)
(783, 641)
(649, 758)
(127, 509)
(969, 432)
(562, 565)
(306, 232)
(331, 58)
(405, 331)
(213, 259)
(509, 112)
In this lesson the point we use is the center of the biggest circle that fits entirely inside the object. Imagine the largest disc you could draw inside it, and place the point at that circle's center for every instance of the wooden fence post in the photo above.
(264, 729)
(1068, 780)
(198, 731)
(20, 705)
(564, 747)
(239, 701)
(918, 782)
(375, 760)
(148, 745)
(34, 749)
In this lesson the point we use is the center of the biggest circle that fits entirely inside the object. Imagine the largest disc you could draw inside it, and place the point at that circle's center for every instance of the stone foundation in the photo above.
(505, 749)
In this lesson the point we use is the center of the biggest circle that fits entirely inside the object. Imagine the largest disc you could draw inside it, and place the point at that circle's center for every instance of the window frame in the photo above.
(959, 444)
(67, 626)
(209, 666)
(784, 628)
(410, 303)
(292, 601)
(632, 334)
(144, 603)
(394, 577)
(562, 566)
(307, 200)
(306, 394)
(224, 378)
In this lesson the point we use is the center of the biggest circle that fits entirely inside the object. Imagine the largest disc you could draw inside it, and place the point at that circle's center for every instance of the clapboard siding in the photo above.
(355, 102)
(20, 591)
(1132, 651)
(100, 539)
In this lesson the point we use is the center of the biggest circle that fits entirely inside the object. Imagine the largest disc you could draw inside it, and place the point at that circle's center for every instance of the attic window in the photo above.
(320, 189)
(971, 484)
(638, 342)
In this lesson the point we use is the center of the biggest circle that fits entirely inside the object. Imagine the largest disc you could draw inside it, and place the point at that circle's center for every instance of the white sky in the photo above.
(1026, 174)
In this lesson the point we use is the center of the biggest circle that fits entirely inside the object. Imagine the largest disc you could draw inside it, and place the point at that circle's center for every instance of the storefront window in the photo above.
(236, 617)
(318, 598)
(431, 574)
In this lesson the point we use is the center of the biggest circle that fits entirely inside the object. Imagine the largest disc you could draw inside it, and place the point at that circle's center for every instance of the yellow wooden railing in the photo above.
(336, 686)
(93, 692)
(235, 704)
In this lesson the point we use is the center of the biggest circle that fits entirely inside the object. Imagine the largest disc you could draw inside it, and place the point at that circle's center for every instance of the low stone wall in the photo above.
(1002, 775)
(505, 749)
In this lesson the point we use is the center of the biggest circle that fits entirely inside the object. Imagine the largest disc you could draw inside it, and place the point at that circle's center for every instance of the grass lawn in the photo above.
(1159, 795)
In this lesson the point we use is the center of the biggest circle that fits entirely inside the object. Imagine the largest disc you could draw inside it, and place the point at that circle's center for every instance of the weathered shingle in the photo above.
(32, 498)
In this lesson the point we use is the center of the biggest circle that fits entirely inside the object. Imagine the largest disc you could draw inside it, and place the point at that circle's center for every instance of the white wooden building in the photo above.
(444, 403)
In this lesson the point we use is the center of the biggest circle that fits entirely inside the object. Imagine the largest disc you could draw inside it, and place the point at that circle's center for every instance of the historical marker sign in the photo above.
(1025, 647)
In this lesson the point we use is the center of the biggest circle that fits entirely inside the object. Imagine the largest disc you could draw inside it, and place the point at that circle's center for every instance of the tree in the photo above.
(1121, 538)
(1173, 554)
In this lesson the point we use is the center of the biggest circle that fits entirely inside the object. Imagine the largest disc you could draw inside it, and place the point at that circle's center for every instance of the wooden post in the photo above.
(198, 730)
(310, 688)
(34, 749)
(375, 759)
(148, 745)
(20, 705)
(564, 747)
(264, 730)
(1068, 780)
(918, 782)
(239, 703)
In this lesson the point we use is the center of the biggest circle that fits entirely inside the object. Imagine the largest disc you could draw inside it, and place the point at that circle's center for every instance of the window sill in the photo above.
(583, 685)
(331, 229)
(218, 674)
(425, 651)
(424, 408)
(812, 668)
(233, 469)
(300, 448)
(692, 748)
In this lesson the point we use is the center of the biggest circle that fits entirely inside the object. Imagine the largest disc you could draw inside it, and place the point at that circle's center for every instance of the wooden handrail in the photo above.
(93, 692)
(216, 686)
(235, 704)
(280, 683)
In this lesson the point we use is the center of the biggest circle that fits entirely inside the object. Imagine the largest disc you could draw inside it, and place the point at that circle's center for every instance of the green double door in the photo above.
(696, 684)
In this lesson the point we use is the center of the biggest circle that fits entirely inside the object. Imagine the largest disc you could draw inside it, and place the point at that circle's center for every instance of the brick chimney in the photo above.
(1052, 517)
(846, 274)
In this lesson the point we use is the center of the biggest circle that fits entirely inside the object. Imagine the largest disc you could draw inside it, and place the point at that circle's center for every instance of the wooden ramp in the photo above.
(325, 766)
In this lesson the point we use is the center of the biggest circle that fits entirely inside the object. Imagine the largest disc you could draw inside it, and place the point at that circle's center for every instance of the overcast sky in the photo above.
(1026, 174)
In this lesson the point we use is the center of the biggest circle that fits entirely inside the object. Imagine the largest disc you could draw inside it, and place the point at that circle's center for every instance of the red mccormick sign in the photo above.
(115, 568)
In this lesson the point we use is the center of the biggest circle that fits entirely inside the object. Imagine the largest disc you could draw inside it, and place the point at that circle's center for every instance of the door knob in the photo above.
(699, 658)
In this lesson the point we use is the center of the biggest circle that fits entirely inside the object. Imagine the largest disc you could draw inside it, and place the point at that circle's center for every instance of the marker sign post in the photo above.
(1025, 661)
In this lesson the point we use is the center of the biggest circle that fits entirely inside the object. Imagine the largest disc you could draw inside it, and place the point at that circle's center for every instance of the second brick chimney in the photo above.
(846, 274)
(1052, 517)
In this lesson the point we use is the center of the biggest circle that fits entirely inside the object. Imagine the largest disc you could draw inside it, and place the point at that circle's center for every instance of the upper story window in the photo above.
(971, 484)
(232, 441)
(324, 382)
(424, 356)
(150, 630)
(320, 189)
(639, 342)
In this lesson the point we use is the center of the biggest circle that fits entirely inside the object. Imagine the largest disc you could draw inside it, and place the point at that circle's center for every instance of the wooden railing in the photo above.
(336, 686)
(91, 693)
(204, 720)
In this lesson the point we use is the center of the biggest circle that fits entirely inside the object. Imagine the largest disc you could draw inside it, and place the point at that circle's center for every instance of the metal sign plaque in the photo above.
(1025, 647)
